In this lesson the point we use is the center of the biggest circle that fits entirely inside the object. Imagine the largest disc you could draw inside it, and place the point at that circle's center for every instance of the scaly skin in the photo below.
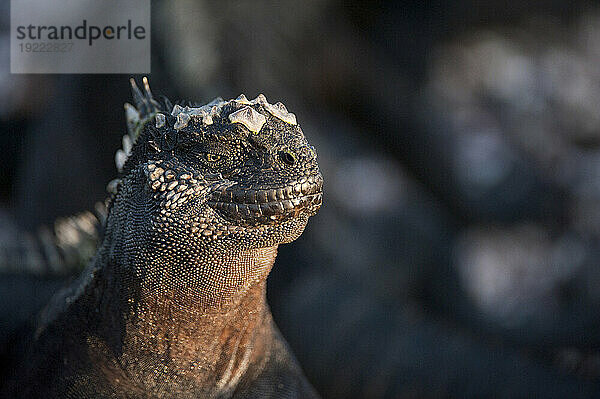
(173, 304)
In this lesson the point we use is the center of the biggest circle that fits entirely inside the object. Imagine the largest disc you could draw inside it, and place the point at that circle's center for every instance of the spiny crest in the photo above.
(61, 251)
(145, 109)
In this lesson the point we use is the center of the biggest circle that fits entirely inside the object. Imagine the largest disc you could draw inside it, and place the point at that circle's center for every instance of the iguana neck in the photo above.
(209, 341)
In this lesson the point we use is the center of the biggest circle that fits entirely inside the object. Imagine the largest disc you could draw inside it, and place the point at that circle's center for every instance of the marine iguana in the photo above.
(173, 304)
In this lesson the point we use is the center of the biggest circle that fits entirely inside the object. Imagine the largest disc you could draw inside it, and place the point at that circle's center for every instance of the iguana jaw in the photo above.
(252, 207)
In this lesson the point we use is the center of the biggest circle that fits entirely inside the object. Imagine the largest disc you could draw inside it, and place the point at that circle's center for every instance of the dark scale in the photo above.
(173, 304)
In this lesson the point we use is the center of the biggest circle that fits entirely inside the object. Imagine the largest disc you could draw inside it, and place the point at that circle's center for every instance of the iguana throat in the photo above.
(205, 340)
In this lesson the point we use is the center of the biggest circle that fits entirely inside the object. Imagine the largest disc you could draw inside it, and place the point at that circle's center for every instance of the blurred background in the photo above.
(456, 251)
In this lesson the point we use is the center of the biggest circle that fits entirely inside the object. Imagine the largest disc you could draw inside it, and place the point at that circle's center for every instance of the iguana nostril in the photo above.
(287, 157)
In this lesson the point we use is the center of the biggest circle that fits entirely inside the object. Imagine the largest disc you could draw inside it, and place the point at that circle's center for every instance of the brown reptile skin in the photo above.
(173, 304)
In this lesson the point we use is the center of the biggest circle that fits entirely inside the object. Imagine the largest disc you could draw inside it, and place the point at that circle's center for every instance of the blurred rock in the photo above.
(515, 274)
(527, 99)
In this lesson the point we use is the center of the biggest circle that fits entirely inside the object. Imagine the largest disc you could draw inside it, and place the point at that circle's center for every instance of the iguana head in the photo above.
(237, 171)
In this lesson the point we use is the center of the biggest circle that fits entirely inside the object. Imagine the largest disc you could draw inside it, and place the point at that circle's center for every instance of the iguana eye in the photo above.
(212, 157)
(287, 157)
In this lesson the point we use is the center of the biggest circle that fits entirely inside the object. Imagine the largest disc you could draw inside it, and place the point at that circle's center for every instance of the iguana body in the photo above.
(173, 304)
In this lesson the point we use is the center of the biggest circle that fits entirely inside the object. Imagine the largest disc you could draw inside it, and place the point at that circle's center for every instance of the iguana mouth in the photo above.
(268, 206)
